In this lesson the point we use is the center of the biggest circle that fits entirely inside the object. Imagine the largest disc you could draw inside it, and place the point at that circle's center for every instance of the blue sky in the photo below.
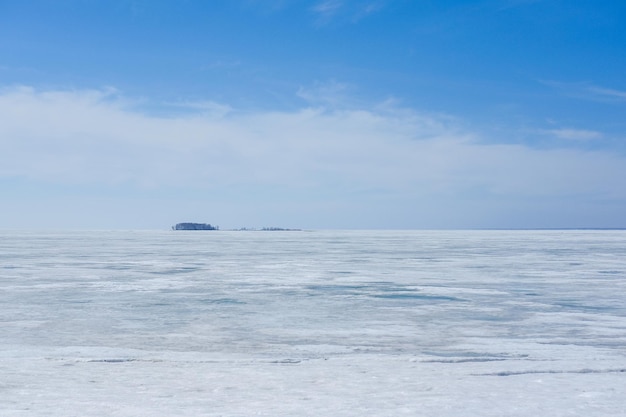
(313, 114)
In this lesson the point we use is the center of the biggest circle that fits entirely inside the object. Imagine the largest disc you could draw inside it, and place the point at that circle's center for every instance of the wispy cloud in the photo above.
(368, 8)
(588, 91)
(574, 134)
(607, 92)
(351, 11)
(331, 93)
(327, 7)
(324, 11)
(207, 108)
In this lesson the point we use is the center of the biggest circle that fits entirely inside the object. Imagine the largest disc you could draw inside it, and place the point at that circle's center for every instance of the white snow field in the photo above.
(313, 323)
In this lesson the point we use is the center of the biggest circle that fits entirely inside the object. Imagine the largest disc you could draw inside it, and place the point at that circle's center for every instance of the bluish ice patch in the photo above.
(121, 267)
(337, 288)
(227, 301)
(498, 317)
(416, 296)
(584, 307)
(473, 355)
(174, 271)
(380, 290)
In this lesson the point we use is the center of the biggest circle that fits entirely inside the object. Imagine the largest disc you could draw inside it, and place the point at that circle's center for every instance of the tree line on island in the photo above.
(207, 226)
(194, 226)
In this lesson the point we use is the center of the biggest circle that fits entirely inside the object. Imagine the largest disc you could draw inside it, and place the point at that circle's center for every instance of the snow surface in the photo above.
(319, 323)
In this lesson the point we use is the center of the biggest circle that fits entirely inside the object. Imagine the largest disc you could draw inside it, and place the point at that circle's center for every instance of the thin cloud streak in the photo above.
(575, 134)
(588, 91)
(327, 7)
(608, 92)
(325, 11)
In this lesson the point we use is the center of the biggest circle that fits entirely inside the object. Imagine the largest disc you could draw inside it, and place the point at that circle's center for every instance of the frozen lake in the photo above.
(313, 323)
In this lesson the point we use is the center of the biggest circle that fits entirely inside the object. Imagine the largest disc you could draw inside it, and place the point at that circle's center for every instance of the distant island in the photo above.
(194, 226)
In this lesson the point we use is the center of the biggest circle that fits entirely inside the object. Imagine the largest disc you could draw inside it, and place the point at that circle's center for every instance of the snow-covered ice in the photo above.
(313, 323)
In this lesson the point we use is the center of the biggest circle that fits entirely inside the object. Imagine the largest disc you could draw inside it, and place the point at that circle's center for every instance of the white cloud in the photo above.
(368, 8)
(326, 10)
(575, 134)
(353, 11)
(208, 108)
(608, 92)
(588, 91)
(95, 138)
(327, 7)
(331, 93)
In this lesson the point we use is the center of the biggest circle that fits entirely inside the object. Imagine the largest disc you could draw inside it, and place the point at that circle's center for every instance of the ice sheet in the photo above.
(333, 323)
